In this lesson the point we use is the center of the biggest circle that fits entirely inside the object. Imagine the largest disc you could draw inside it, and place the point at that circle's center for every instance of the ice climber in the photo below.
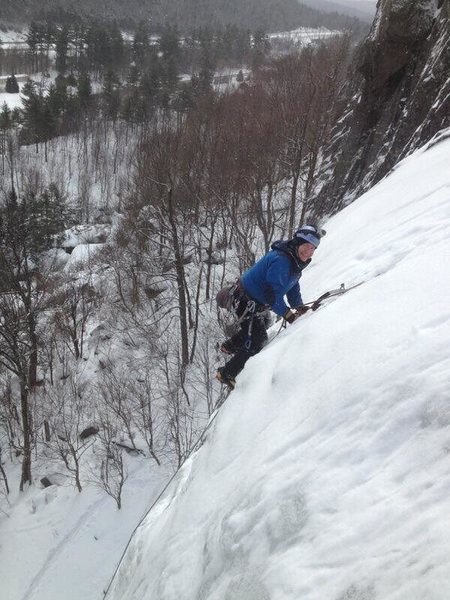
(262, 288)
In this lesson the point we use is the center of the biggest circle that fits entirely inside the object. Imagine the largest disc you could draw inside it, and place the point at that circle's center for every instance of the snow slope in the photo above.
(56, 543)
(326, 474)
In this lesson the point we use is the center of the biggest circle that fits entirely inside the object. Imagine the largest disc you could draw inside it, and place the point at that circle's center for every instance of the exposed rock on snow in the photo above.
(85, 234)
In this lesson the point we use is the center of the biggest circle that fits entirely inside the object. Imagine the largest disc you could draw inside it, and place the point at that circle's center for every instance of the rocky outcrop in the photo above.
(401, 98)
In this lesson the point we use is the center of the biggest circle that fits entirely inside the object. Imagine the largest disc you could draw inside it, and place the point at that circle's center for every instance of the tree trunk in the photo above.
(179, 268)
(293, 205)
(26, 425)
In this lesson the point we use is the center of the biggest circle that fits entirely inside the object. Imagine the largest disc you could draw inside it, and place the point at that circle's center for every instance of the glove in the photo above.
(290, 315)
(301, 310)
(294, 313)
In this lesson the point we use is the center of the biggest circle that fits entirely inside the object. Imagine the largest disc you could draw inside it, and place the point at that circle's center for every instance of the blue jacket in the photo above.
(274, 276)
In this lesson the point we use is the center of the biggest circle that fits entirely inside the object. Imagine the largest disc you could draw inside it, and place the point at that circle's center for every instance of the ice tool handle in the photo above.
(314, 305)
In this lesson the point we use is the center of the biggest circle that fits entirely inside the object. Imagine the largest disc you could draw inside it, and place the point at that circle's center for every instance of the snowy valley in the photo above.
(148, 163)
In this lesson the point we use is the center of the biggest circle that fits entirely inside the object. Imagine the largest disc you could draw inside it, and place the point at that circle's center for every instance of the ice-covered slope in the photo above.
(326, 475)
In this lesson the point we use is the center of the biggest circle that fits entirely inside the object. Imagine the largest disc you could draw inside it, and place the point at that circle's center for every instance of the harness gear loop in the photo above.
(249, 309)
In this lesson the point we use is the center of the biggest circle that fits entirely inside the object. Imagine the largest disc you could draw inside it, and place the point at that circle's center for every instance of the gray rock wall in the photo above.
(401, 98)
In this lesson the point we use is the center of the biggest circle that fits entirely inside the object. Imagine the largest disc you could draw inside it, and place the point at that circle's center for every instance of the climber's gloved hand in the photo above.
(290, 315)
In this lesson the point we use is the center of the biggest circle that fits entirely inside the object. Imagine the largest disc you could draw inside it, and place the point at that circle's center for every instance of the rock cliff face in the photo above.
(401, 98)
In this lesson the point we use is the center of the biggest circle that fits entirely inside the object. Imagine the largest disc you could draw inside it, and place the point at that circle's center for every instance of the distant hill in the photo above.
(270, 15)
(362, 9)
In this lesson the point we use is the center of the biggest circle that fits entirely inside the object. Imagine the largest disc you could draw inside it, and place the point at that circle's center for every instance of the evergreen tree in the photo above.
(16, 116)
(133, 76)
(48, 214)
(33, 37)
(33, 104)
(141, 44)
(49, 33)
(77, 36)
(134, 109)
(151, 83)
(48, 125)
(260, 49)
(5, 118)
(84, 90)
(206, 73)
(40, 122)
(71, 80)
(110, 95)
(62, 48)
(169, 78)
(242, 45)
(117, 47)
(57, 96)
(169, 45)
(6, 123)
(12, 86)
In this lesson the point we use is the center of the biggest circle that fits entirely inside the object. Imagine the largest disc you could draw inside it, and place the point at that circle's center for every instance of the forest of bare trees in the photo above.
(124, 345)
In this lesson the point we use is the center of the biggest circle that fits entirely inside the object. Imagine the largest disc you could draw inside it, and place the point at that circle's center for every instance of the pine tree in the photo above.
(133, 76)
(117, 48)
(6, 124)
(57, 96)
(141, 44)
(169, 45)
(110, 95)
(48, 214)
(33, 38)
(261, 47)
(47, 125)
(12, 86)
(50, 32)
(62, 48)
(5, 118)
(84, 90)
(206, 73)
(32, 112)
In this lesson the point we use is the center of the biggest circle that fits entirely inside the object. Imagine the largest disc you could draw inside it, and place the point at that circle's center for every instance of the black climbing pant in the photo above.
(250, 338)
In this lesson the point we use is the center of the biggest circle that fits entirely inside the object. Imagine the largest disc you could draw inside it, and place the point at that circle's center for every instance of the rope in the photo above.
(313, 305)
(195, 447)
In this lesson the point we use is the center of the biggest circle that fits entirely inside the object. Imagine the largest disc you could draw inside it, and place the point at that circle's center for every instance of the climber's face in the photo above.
(305, 251)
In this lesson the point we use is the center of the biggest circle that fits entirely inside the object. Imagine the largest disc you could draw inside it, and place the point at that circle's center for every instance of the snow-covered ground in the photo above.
(43, 81)
(282, 42)
(12, 100)
(304, 35)
(13, 38)
(326, 474)
(56, 543)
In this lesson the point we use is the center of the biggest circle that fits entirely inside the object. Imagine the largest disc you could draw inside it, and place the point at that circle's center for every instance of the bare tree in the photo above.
(66, 411)
(3, 477)
(27, 228)
(114, 391)
(111, 473)
(146, 417)
(76, 303)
